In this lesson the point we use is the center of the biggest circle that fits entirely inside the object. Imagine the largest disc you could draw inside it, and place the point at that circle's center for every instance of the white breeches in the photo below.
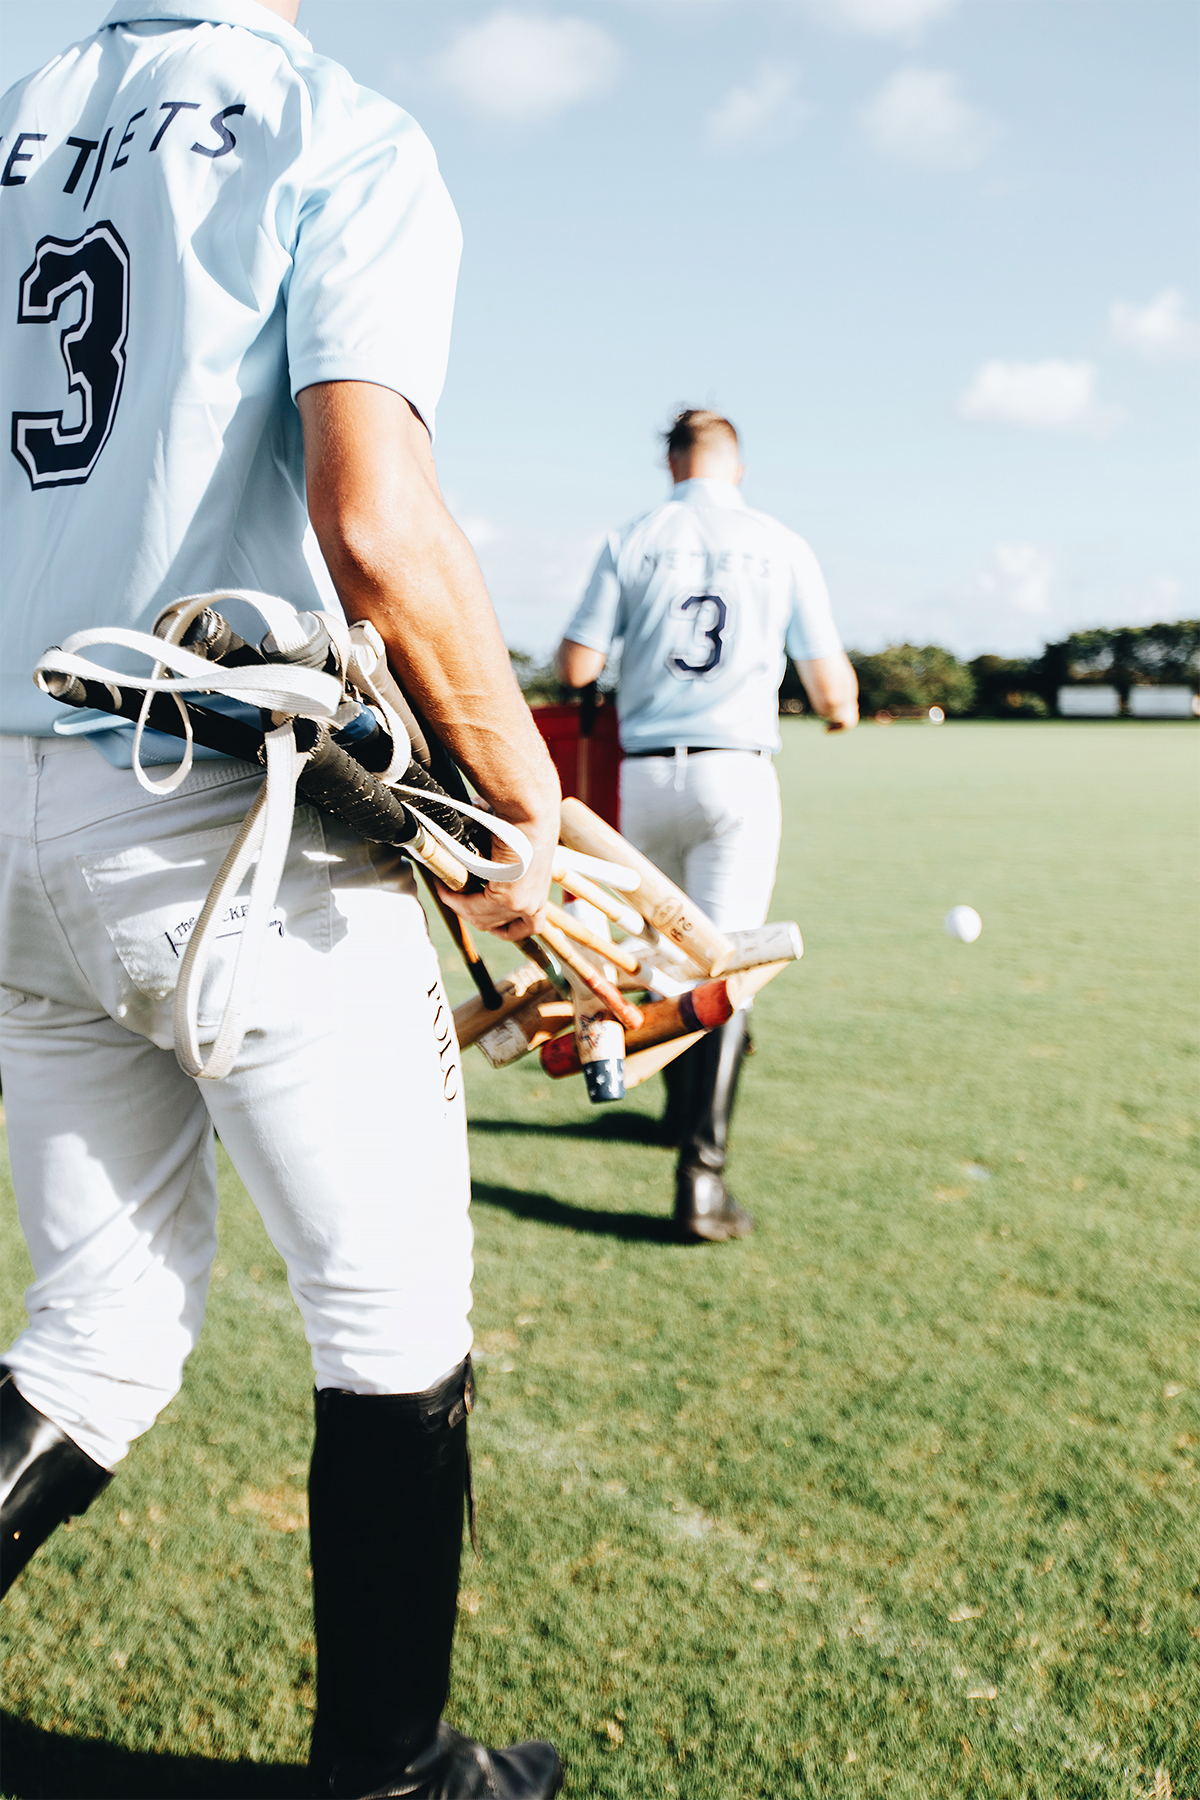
(343, 1115)
(711, 823)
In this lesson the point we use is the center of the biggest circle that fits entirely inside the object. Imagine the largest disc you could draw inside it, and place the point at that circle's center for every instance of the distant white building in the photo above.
(1163, 703)
(1089, 702)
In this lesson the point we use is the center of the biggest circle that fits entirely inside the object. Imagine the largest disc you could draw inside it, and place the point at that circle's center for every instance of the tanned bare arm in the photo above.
(576, 664)
(398, 559)
(832, 687)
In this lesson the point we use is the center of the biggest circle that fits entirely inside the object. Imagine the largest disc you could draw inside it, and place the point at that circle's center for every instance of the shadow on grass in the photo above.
(622, 1127)
(41, 1765)
(643, 1227)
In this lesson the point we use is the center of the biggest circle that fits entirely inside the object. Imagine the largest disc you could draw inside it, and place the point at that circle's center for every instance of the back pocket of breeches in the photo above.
(150, 896)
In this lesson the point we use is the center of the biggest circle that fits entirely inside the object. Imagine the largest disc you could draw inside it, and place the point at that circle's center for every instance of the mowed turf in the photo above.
(899, 1496)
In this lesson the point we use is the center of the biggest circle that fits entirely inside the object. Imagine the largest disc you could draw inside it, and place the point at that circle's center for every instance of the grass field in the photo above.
(898, 1497)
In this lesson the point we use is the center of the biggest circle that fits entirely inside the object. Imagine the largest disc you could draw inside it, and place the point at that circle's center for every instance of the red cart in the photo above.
(582, 739)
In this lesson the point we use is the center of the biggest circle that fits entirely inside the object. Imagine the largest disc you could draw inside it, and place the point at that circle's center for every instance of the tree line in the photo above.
(907, 677)
(904, 677)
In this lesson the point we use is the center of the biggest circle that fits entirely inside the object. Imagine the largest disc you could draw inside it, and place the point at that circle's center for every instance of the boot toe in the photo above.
(529, 1771)
(457, 1768)
(718, 1228)
(705, 1210)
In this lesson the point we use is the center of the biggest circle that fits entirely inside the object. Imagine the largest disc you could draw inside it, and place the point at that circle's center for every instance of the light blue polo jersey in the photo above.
(199, 217)
(708, 597)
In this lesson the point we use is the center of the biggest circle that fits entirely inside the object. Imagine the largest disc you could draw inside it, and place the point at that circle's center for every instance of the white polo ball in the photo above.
(963, 923)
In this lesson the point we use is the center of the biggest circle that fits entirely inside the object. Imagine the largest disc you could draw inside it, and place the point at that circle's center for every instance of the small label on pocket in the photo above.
(232, 920)
(150, 897)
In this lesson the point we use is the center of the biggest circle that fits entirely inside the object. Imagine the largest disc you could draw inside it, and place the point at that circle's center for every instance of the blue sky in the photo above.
(936, 258)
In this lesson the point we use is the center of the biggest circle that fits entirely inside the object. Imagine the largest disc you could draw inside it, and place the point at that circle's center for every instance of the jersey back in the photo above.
(707, 597)
(200, 217)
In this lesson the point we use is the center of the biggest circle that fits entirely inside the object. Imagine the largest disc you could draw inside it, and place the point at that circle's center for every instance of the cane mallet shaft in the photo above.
(555, 940)
(591, 940)
(549, 965)
(659, 901)
(618, 912)
(425, 849)
(465, 944)
(600, 868)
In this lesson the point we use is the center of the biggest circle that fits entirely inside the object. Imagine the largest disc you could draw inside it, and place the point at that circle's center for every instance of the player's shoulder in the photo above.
(349, 121)
(767, 522)
(332, 88)
(332, 105)
(341, 111)
(29, 86)
(790, 543)
(652, 524)
(637, 538)
(176, 48)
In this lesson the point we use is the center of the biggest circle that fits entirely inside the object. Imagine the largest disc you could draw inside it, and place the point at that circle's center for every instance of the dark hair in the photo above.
(696, 425)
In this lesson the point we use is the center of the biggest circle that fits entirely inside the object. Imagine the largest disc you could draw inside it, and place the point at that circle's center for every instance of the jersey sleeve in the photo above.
(376, 252)
(811, 632)
(596, 621)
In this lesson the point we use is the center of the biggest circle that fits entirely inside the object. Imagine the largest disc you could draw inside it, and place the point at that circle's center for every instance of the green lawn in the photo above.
(899, 1496)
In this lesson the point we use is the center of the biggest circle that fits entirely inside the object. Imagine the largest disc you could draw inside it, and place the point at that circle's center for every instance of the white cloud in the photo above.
(882, 18)
(1019, 577)
(519, 68)
(1161, 328)
(919, 117)
(1048, 396)
(761, 111)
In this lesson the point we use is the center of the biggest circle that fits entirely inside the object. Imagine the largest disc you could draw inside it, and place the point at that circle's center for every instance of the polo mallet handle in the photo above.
(216, 731)
(331, 779)
(211, 636)
(465, 944)
(587, 724)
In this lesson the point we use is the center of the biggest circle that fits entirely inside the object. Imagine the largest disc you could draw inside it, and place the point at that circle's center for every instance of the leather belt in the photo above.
(688, 750)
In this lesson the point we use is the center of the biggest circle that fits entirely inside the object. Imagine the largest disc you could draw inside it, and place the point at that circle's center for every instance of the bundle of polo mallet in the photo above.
(618, 1010)
(315, 703)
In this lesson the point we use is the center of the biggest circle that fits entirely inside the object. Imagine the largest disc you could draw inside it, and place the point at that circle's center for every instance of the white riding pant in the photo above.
(343, 1114)
(712, 824)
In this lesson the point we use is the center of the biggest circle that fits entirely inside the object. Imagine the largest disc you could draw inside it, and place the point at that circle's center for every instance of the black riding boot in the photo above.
(704, 1207)
(677, 1077)
(385, 1523)
(44, 1479)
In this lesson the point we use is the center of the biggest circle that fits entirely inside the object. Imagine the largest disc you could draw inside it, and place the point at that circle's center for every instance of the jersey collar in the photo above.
(247, 13)
(716, 493)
